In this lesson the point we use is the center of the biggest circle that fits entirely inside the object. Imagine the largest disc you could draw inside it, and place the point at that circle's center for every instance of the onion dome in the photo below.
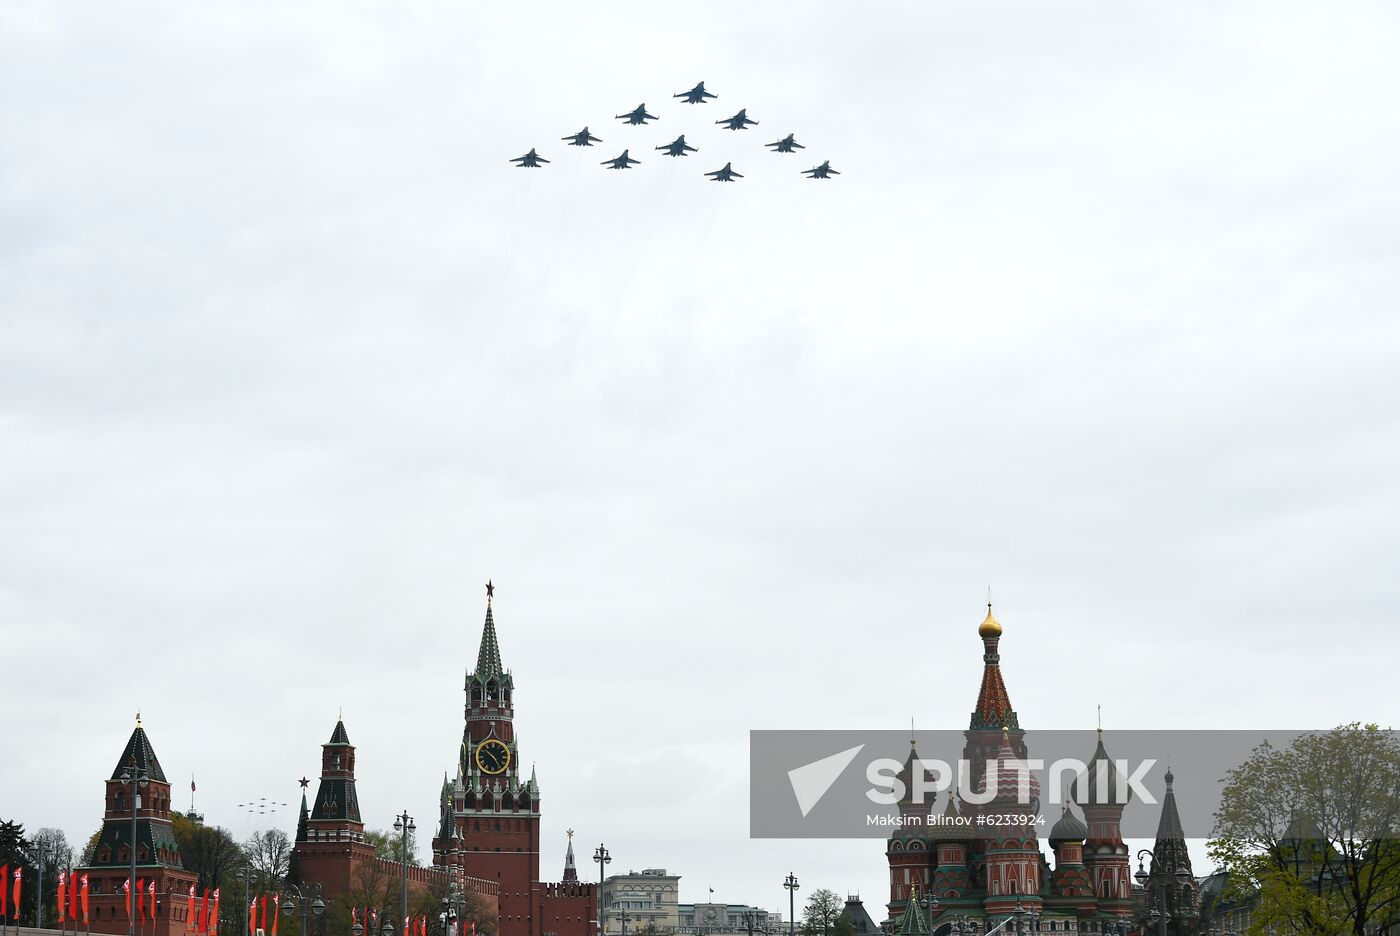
(951, 825)
(990, 626)
(1099, 785)
(1070, 828)
(1014, 781)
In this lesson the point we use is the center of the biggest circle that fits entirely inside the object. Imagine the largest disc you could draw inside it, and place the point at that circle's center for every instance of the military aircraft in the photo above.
(678, 147)
(739, 121)
(727, 174)
(582, 138)
(824, 171)
(638, 116)
(786, 145)
(695, 95)
(530, 160)
(622, 162)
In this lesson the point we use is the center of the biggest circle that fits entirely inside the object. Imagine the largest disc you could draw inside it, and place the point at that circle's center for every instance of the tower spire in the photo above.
(570, 870)
(488, 658)
(993, 711)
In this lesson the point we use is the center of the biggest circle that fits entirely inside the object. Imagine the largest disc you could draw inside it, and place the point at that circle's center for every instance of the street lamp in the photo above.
(137, 778)
(792, 886)
(929, 903)
(602, 857)
(246, 876)
(41, 858)
(315, 905)
(1161, 907)
(405, 825)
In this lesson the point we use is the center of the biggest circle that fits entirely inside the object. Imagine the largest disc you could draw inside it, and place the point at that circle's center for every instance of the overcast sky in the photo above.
(1101, 312)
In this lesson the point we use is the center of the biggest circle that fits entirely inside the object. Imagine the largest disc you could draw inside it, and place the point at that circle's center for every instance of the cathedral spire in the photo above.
(488, 658)
(570, 870)
(993, 709)
(1169, 851)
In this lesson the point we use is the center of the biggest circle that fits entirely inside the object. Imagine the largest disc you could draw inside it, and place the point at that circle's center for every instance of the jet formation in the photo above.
(639, 116)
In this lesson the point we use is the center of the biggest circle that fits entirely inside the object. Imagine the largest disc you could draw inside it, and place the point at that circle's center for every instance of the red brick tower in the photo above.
(331, 838)
(1103, 797)
(490, 825)
(157, 854)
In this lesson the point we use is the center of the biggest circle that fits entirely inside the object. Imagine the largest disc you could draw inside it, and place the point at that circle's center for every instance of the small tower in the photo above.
(331, 837)
(570, 869)
(1171, 862)
(1102, 795)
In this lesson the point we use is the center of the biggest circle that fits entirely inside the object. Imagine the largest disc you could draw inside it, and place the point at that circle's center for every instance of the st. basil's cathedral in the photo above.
(954, 873)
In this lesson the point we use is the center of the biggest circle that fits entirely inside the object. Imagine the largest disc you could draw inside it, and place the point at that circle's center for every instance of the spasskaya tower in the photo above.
(489, 822)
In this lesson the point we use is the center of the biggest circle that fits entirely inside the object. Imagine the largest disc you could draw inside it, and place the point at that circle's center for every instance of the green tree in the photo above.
(389, 844)
(821, 913)
(1309, 833)
(269, 853)
(211, 853)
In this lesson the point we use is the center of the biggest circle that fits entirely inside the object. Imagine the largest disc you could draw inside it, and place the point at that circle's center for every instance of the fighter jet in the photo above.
(622, 162)
(638, 116)
(739, 121)
(582, 138)
(678, 147)
(786, 145)
(727, 174)
(695, 95)
(530, 160)
(824, 171)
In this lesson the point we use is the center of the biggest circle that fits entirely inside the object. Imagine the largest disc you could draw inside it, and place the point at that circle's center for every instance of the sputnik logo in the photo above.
(810, 782)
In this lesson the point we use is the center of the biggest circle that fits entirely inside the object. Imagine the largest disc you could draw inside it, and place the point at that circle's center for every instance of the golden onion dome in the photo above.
(990, 626)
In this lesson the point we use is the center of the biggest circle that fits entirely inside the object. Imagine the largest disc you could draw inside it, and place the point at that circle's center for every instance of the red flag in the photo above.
(276, 911)
(151, 899)
(62, 897)
(253, 917)
(72, 896)
(85, 900)
(19, 879)
(405, 926)
(212, 920)
(4, 891)
(354, 918)
(189, 911)
(262, 925)
(201, 920)
(126, 889)
(473, 921)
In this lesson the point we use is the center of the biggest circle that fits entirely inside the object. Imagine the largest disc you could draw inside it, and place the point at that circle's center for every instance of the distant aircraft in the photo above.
(786, 145)
(824, 171)
(638, 116)
(678, 147)
(727, 174)
(622, 162)
(530, 160)
(739, 121)
(582, 138)
(695, 95)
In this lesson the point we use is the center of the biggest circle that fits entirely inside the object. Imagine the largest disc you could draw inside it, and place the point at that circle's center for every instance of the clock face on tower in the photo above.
(492, 756)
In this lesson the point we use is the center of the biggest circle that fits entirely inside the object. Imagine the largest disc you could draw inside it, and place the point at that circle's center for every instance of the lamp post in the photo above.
(136, 778)
(1016, 914)
(602, 857)
(299, 900)
(41, 858)
(790, 882)
(929, 903)
(964, 926)
(404, 824)
(246, 876)
(1161, 909)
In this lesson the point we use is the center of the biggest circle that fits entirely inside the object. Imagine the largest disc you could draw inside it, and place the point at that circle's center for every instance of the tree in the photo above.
(1309, 833)
(390, 845)
(208, 851)
(822, 910)
(269, 853)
